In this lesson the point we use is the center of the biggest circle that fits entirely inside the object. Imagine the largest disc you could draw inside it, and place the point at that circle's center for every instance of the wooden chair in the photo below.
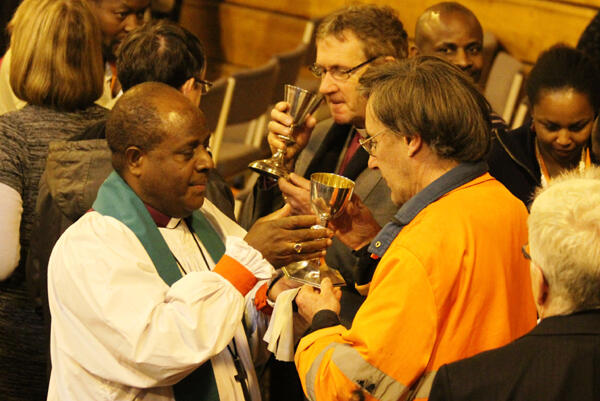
(504, 85)
(214, 106)
(251, 93)
(520, 115)
(490, 48)
(289, 68)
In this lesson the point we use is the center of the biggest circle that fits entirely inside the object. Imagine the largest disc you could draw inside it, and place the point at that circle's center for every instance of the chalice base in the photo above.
(270, 167)
(311, 272)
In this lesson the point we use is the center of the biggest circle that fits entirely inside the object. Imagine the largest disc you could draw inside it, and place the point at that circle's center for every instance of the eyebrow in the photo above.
(583, 120)
(446, 44)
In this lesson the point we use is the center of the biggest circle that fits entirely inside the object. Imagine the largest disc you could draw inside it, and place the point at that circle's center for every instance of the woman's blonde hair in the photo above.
(56, 54)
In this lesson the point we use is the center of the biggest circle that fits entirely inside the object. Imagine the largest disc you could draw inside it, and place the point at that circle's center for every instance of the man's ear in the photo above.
(414, 144)
(540, 285)
(188, 86)
(413, 50)
(134, 159)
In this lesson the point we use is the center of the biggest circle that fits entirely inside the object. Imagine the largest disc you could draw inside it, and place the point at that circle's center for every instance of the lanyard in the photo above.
(241, 376)
(584, 162)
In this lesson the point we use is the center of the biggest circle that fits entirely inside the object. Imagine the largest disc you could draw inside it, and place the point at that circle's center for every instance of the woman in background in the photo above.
(57, 69)
(563, 90)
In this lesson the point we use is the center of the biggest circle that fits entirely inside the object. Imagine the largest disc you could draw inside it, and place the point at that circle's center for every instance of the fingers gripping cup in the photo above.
(302, 103)
(329, 195)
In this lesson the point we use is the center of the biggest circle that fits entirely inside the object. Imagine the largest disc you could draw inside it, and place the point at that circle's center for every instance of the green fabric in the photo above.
(210, 239)
(116, 199)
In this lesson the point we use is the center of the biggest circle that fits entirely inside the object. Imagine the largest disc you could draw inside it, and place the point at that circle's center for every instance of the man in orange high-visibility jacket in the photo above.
(451, 280)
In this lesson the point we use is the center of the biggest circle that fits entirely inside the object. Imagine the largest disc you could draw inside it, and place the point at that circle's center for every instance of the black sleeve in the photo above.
(365, 267)
(323, 319)
(440, 390)
(264, 199)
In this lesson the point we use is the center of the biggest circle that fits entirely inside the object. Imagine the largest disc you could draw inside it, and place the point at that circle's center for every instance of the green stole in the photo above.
(116, 199)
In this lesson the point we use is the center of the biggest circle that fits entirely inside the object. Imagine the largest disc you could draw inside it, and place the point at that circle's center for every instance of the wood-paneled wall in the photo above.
(249, 32)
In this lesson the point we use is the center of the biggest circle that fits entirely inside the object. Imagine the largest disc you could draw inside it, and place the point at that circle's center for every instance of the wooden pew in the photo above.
(248, 32)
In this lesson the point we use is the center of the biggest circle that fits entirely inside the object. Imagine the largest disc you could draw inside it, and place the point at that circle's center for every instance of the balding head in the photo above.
(159, 141)
(451, 31)
(145, 115)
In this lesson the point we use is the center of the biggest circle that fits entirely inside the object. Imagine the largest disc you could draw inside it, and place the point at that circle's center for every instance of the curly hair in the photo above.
(379, 29)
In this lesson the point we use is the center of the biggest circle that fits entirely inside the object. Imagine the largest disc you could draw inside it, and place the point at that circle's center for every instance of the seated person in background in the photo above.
(563, 89)
(160, 52)
(147, 291)
(116, 18)
(451, 31)
(557, 360)
(450, 280)
(57, 70)
(348, 42)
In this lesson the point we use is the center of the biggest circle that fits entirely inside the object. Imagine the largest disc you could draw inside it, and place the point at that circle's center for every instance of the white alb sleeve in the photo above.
(252, 259)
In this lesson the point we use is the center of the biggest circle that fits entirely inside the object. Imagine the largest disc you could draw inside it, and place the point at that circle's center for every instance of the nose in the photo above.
(372, 163)
(564, 138)
(462, 59)
(131, 22)
(204, 160)
(327, 85)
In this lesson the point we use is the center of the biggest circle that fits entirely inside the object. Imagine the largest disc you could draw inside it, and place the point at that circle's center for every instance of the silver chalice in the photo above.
(329, 195)
(302, 103)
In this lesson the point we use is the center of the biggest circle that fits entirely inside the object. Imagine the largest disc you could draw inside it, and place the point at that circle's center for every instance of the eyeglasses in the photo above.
(204, 85)
(525, 251)
(368, 144)
(341, 75)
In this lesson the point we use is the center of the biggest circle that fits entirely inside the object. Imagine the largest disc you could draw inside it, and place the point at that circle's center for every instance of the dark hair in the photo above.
(563, 67)
(428, 96)
(162, 52)
(379, 29)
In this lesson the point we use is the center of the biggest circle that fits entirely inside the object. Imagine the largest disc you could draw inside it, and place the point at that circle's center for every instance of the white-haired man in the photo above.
(558, 359)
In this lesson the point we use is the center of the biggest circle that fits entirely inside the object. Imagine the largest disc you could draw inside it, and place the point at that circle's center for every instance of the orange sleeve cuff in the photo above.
(236, 273)
(260, 300)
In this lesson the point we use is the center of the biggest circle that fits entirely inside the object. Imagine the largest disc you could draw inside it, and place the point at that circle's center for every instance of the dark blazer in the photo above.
(558, 360)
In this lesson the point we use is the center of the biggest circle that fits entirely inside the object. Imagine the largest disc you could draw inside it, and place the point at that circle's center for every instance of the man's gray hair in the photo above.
(564, 238)
(428, 96)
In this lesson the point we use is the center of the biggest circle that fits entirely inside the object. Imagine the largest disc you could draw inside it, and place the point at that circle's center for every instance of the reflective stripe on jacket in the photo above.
(452, 284)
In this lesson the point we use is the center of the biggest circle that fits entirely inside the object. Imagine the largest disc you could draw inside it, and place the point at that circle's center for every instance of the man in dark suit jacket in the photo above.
(348, 42)
(560, 358)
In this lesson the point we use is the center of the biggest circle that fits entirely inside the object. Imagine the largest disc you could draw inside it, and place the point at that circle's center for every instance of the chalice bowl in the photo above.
(329, 195)
(302, 103)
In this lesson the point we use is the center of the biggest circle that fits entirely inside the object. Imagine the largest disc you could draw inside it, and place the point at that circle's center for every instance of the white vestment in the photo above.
(119, 332)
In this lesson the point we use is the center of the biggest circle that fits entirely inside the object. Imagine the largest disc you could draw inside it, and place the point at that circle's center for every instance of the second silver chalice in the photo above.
(329, 195)
(302, 103)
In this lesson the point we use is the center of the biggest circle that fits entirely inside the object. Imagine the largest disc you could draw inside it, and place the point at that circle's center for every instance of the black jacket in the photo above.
(512, 161)
(557, 360)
